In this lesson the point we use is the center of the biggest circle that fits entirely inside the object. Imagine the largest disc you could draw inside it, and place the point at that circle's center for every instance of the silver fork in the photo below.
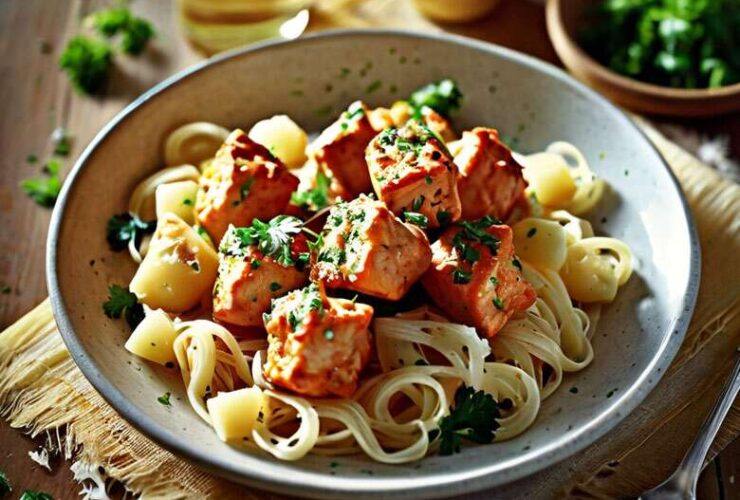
(682, 483)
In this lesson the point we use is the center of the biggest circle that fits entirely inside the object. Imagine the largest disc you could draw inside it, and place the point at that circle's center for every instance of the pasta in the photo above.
(344, 377)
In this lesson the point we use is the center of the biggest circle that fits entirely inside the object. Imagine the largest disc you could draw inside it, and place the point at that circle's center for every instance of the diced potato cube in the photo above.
(542, 243)
(549, 179)
(244, 182)
(365, 248)
(490, 181)
(178, 270)
(317, 345)
(412, 172)
(236, 414)
(153, 338)
(177, 198)
(283, 137)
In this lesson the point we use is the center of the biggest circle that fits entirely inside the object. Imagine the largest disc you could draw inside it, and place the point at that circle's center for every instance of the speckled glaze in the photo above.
(311, 80)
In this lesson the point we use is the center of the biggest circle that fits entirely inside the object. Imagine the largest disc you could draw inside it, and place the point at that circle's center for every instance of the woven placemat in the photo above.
(42, 391)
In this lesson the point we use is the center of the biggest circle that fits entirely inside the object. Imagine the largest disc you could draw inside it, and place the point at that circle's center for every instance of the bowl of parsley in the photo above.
(666, 57)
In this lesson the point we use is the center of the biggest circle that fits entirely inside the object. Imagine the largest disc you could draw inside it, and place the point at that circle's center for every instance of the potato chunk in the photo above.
(248, 280)
(178, 270)
(412, 171)
(365, 248)
(340, 151)
(401, 112)
(475, 277)
(490, 181)
(317, 345)
(244, 182)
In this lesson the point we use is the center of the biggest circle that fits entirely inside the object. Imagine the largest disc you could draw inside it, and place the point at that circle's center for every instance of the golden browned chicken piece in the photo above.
(244, 182)
(340, 151)
(248, 279)
(412, 171)
(317, 345)
(490, 181)
(365, 248)
(475, 276)
(401, 112)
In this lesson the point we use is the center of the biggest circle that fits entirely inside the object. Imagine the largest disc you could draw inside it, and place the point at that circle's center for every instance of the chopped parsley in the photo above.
(416, 218)
(187, 202)
(311, 301)
(516, 263)
(275, 286)
(5, 487)
(428, 180)
(122, 302)
(329, 334)
(444, 97)
(473, 417)
(460, 277)
(123, 228)
(164, 399)
(62, 141)
(255, 264)
(493, 280)
(313, 199)
(335, 256)
(476, 232)
(35, 495)
(417, 203)
(44, 190)
(498, 303)
(5, 289)
(32, 158)
(443, 216)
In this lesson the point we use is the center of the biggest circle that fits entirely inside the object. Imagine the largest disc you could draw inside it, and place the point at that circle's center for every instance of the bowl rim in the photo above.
(562, 40)
(268, 475)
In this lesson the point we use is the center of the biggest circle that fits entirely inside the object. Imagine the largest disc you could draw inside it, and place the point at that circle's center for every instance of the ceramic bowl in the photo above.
(566, 17)
(312, 79)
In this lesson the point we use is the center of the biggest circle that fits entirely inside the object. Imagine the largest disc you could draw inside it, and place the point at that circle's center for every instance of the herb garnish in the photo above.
(460, 277)
(473, 418)
(123, 228)
(444, 97)
(416, 218)
(62, 141)
(311, 301)
(313, 199)
(274, 238)
(136, 32)
(86, 62)
(122, 302)
(35, 495)
(5, 486)
(498, 303)
(44, 190)
(164, 399)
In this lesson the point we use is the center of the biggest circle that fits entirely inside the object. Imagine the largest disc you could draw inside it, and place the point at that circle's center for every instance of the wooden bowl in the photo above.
(564, 17)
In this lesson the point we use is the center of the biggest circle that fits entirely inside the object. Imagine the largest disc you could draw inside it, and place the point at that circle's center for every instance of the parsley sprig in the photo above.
(273, 239)
(122, 302)
(444, 97)
(473, 417)
(135, 32)
(123, 228)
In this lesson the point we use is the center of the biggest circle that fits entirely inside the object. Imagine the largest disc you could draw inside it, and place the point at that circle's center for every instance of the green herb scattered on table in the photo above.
(62, 141)
(474, 417)
(135, 32)
(122, 302)
(5, 289)
(87, 62)
(44, 190)
(683, 44)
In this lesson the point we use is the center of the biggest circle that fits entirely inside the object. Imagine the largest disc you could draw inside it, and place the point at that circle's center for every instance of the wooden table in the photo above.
(35, 98)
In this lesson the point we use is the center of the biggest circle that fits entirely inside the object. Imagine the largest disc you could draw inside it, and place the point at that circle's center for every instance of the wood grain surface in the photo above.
(35, 98)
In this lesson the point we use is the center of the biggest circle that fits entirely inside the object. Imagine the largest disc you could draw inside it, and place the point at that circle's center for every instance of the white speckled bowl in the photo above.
(308, 79)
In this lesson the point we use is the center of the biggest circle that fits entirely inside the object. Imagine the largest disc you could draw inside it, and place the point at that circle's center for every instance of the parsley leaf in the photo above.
(164, 399)
(416, 218)
(35, 495)
(44, 190)
(123, 228)
(122, 302)
(473, 417)
(444, 97)
(274, 239)
(311, 301)
(5, 486)
(313, 199)
(136, 32)
(86, 62)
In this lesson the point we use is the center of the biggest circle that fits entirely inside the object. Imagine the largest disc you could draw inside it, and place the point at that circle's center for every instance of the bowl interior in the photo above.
(313, 80)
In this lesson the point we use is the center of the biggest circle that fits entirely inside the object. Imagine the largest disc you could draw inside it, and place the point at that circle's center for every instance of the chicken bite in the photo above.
(244, 182)
(317, 345)
(365, 248)
(475, 276)
(490, 181)
(248, 279)
(412, 171)
(340, 151)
